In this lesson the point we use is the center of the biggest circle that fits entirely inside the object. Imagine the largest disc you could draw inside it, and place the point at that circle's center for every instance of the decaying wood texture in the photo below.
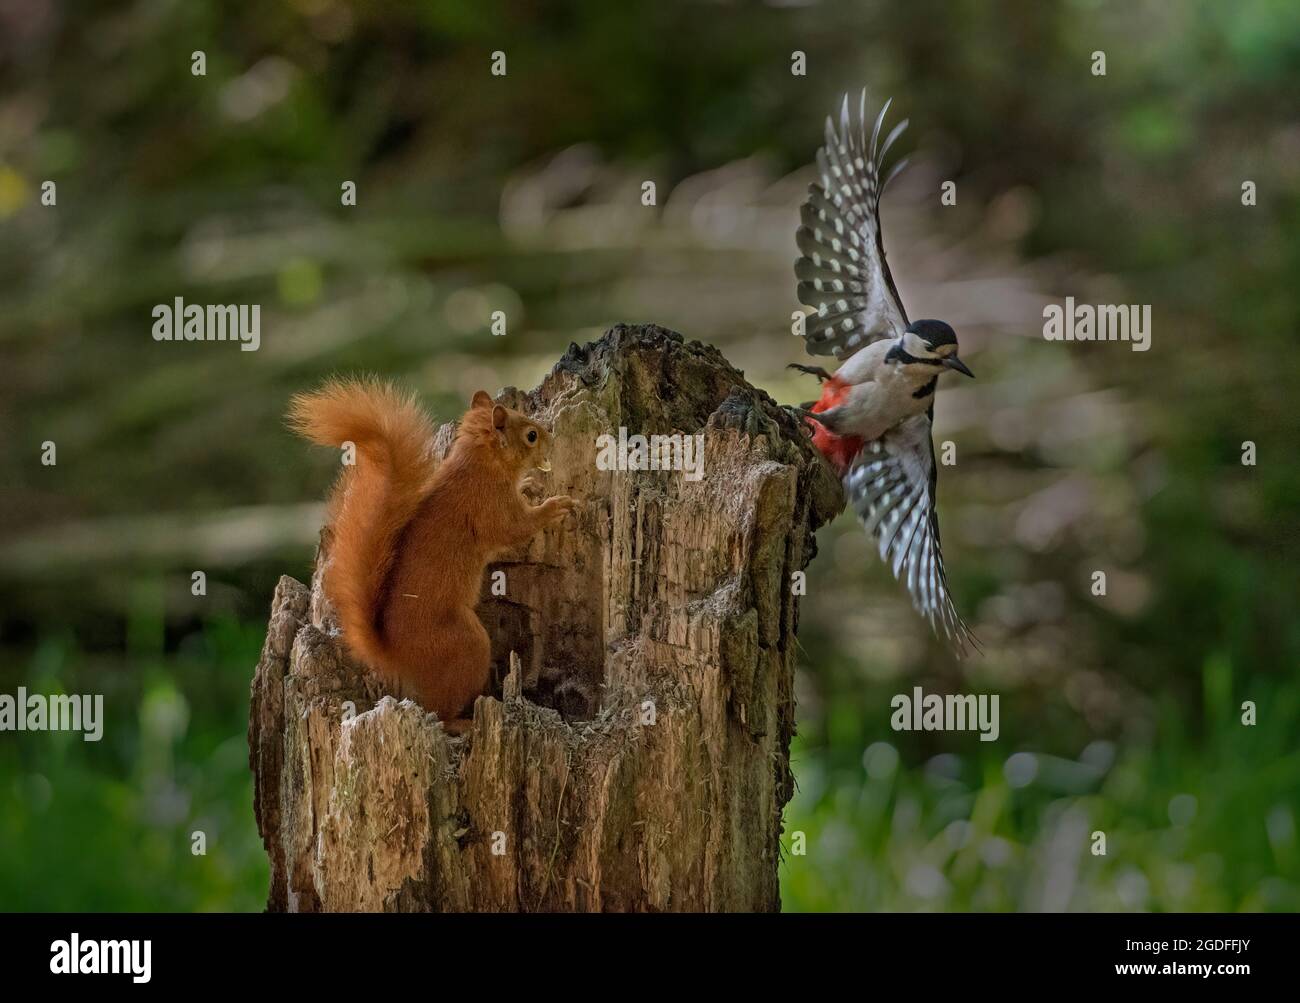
(635, 752)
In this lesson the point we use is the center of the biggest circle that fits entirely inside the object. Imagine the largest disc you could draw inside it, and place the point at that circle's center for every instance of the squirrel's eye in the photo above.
(532, 436)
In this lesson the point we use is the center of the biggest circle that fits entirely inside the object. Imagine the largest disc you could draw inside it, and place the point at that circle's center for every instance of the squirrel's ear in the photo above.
(498, 417)
(480, 399)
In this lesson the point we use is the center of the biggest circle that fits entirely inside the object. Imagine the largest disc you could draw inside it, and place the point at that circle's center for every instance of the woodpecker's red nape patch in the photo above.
(839, 449)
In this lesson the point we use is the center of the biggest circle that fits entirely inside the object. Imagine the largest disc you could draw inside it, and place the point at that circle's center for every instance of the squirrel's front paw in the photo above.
(557, 507)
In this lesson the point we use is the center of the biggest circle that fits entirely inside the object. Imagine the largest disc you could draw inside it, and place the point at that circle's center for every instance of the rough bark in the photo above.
(664, 599)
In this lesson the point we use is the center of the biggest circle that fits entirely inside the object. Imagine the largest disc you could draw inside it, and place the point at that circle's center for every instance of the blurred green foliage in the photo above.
(110, 825)
(224, 188)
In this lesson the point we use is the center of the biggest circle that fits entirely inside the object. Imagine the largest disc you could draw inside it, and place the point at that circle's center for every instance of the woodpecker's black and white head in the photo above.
(928, 345)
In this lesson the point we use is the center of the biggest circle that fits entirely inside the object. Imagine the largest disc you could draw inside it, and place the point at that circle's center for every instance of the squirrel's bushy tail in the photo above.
(375, 499)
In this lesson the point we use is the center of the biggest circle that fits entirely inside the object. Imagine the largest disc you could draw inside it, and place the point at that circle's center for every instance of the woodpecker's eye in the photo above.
(531, 436)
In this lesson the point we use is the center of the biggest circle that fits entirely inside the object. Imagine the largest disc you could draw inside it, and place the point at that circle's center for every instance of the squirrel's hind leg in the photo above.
(449, 665)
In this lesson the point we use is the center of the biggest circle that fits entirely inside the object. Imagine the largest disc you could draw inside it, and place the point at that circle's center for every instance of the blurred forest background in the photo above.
(1119, 713)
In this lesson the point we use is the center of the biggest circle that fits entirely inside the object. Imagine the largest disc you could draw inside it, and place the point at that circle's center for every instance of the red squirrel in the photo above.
(412, 537)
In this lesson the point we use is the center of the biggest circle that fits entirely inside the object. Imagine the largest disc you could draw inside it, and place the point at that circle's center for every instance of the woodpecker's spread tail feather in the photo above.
(374, 500)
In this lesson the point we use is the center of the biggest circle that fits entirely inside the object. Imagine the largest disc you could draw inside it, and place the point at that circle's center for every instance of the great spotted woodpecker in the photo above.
(873, 419)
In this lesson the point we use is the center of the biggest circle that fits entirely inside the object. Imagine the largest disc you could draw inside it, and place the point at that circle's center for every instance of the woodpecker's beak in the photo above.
(544, 466)
(952, 362)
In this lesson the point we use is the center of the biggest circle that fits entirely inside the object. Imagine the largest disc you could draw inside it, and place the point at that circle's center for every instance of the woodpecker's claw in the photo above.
(817, 371)
(799, 414)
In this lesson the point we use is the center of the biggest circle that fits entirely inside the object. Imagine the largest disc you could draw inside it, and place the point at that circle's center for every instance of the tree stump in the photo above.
(634, 752)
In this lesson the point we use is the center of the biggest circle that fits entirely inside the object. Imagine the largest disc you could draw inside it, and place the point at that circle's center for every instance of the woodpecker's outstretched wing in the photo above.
(891, 486)
(843, 272)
